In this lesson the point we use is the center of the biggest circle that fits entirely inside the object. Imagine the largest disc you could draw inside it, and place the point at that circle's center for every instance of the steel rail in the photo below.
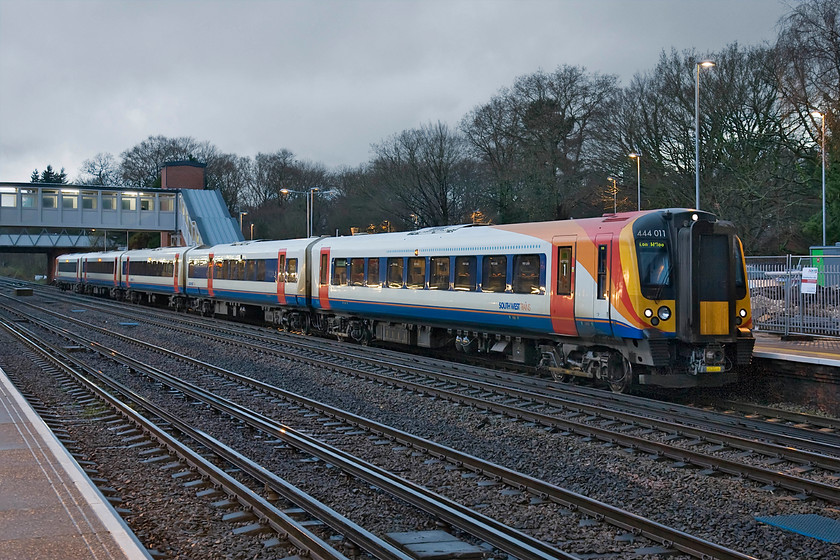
(792, 448)
(666, 535)
(765, 476)
(819, 421)
(786, 443)
(499, 535)
(306, 541)
(782, 436)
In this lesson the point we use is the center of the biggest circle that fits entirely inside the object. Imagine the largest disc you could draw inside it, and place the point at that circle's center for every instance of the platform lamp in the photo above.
(638, 157)
(240, 222)
(702, 64)
(820, 115)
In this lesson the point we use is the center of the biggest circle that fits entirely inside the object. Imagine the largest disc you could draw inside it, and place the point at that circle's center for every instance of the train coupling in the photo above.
(708, 359)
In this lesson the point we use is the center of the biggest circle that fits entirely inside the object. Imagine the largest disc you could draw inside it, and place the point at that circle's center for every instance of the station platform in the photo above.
(49, 508)
(804, 350)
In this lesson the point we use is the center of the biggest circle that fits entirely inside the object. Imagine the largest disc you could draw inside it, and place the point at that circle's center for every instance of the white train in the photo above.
(657, 297)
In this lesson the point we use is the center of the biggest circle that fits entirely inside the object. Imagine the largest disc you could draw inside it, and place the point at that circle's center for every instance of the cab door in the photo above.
(603, 284)
(593, 289)
(562, 291)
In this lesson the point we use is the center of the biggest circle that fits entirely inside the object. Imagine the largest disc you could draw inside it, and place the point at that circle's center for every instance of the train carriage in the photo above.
(67, 271)
(419, 284)
(153, 274)
(654, 297)
(252, 278)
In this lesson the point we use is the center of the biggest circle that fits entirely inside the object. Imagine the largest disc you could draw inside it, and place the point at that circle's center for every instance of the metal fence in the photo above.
(795, 295)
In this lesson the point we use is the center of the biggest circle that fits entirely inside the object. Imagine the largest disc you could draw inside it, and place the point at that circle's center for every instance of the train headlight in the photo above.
(742, 313)
(694, 217)
(664, 313)
(648, 312)
(654, 321)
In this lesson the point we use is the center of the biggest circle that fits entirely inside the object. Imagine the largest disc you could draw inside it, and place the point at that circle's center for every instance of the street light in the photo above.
(252, 231)
(638, 157)
(704, 64)
(310, 205)
(614, 193)
(821, 116)
(240, 222)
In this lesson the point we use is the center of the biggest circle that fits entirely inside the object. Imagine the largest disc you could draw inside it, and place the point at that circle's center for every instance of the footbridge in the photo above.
(55, 219)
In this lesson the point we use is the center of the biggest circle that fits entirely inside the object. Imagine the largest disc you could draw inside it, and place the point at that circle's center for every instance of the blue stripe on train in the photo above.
(478, 318)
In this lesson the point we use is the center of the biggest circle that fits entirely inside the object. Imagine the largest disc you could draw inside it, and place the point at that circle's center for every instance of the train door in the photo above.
(210, 272)
(280, 276)
(563, 285)
(324, 279)
(593, 290)
(175, 274)
(603, 284)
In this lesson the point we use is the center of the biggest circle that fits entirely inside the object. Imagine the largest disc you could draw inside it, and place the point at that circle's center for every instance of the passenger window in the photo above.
(324, 269)
(281, 268)
(416, 273)
(357, 272)
(373, 273)
(526, 274)
(564, 271)
(261, 270)
(465, 276)
(439, 273)
(291, 270)
(251, 270)
(339, 277)
(395, 273)
(494, 274)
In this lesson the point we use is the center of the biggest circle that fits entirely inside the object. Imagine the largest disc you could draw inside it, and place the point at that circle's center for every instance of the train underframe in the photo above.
(620, 364)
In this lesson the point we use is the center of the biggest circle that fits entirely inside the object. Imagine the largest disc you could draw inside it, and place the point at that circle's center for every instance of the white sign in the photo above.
(809, 280)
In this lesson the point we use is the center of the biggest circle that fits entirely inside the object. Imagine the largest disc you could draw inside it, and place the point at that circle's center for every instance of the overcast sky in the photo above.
(322, 78)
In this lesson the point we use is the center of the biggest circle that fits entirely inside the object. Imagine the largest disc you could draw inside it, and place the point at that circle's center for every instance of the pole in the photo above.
(823, 179)
(705, 64)
(697, 140)
(639, 179)
(309, 214)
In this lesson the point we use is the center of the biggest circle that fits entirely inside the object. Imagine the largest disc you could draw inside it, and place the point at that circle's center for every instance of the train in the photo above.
(650, 298)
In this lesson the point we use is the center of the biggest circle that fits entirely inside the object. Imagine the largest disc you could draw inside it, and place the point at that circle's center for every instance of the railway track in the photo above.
(758, 419)
(717, 443)
(527, 399)
(493, 473)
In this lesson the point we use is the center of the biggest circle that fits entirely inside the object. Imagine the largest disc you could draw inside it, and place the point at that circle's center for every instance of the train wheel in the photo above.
(619, 373)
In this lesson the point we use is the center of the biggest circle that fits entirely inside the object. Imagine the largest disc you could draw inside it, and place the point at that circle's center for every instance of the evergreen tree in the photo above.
(49, 176)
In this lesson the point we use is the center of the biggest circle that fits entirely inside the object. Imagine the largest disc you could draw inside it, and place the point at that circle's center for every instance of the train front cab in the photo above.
(711, 320)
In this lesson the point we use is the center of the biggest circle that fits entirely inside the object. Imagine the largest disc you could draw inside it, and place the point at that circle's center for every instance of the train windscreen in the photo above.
(656, 274)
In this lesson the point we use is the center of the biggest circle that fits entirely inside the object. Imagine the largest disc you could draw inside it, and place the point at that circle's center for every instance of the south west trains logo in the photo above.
(506, 306)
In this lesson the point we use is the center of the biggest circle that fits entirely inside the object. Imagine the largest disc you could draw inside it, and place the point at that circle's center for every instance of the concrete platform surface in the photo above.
(49, 509)
(812, 350)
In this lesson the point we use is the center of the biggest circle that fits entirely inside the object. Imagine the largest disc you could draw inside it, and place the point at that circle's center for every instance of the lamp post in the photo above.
(240, 223)
(638, 157)
(310, 205)
(703, 64)
(614, 193)
(821, 116)
(252, 231)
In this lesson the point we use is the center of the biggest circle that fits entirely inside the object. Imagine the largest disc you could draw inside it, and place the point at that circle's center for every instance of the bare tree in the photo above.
(536, 138)
(808, 71)
(102, 169)
(141, 164)
(231, 175)
(270, 173)
(428, 170)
